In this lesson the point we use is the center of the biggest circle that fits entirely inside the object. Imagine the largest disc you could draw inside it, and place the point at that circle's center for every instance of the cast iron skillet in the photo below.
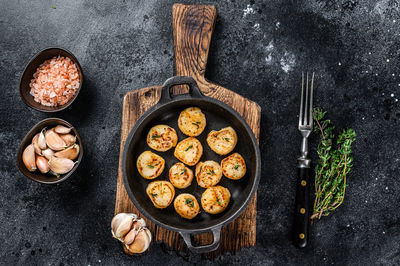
(218, 115)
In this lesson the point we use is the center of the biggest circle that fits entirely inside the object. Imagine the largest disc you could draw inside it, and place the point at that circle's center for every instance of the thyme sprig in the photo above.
(334, 163)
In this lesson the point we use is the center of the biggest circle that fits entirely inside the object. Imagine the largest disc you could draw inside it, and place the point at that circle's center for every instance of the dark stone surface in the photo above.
(259, 50)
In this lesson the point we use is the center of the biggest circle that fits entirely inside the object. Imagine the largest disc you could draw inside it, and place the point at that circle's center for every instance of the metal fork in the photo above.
(301, 216)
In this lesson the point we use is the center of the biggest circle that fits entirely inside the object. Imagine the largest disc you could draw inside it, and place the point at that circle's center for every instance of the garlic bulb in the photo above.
(131, 231)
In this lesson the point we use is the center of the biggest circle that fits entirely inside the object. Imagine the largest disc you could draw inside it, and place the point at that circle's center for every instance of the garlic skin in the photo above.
(54, 141)
(42, 141)
(48, 153)
(42, 164)
(36, 144)
(28, 157)
(69, 153)
(60, 165)
(60, 129)
(68, 139)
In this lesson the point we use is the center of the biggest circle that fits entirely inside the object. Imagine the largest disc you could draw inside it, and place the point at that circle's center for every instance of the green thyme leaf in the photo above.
(190, 202)
(183, 171)
(155, 136)
(154, 194)
(335, 162)
(150, 166)
(219, 202)
(227, 139)
(236, 166)
(188, 148)
(196, 124)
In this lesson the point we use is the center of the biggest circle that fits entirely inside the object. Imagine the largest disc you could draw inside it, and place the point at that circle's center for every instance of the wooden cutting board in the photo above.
(193, 26)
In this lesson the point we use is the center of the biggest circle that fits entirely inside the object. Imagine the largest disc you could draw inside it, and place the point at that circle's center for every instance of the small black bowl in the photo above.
(30, 69)
(37, 175)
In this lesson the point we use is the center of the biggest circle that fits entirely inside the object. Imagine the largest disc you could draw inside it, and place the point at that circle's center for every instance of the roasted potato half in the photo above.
(215, 199)
(161, 193)
(162, 138)
(222, 142)
(180, 175)
(208, 173)
(186, 206)
(192, 121)
(189, 151)
(233, 166)
(150, 165)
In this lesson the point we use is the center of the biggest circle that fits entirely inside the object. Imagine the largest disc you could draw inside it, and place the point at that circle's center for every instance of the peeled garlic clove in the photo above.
(141, 243)
(60, 129)
(28, 157)
(68, 139)
(42, 164)
(36, 144)
(54, 141)
(48, 153)
(118, 220)
(42, 141)
(69, 153)
(60, 165)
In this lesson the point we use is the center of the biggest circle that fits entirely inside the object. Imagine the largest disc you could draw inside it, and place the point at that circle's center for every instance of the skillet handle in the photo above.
(203, 249)
(194, 90)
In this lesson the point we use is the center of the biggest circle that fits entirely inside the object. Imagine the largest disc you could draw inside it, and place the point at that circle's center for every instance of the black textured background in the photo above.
(259, 50)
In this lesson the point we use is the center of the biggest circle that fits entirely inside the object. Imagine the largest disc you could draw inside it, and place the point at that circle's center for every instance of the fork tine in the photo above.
(310, 123)
(306, 105)
(301, 100)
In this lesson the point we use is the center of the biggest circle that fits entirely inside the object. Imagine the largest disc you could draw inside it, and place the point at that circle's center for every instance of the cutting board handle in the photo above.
(192, 26)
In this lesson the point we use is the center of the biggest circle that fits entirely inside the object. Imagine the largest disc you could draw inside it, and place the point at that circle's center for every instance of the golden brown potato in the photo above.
(233, 166)
(222, 142)
(208, 173)
(180, 175)
(186, 206)
(189, 151)
(150, 165)
(192, 121)
(162, 138)
(161, 193)
(215, 199)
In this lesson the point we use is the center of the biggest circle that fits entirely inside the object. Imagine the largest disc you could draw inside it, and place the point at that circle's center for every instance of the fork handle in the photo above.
(301, 215)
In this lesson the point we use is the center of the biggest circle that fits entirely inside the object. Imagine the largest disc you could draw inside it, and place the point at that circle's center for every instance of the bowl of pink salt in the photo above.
(51, 81)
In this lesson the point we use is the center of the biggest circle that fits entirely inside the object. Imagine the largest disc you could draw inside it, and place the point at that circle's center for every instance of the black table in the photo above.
(259, 50)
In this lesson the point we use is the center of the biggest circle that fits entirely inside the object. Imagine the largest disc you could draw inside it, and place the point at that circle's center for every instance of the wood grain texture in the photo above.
(192, 30)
